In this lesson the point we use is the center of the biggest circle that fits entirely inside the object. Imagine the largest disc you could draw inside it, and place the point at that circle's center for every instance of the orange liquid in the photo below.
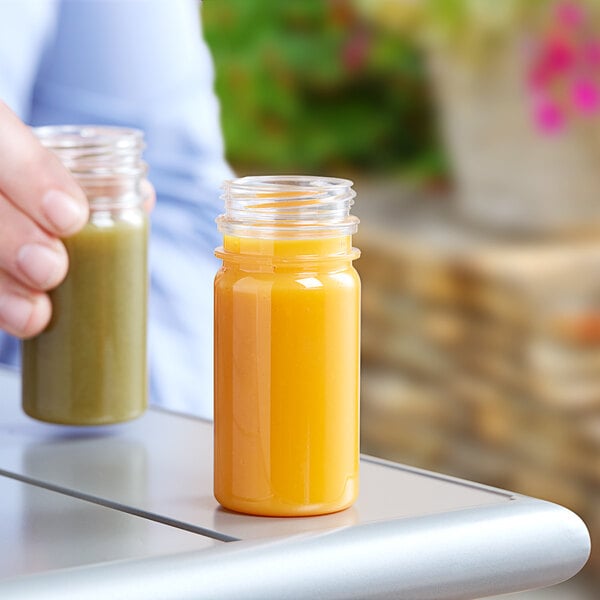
(286, 378)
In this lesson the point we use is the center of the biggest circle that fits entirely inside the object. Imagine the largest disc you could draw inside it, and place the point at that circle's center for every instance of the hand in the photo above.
(40, 202)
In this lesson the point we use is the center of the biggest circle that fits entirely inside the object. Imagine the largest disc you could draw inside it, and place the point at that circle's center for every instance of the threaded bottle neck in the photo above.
(105, 161)
(285, 207)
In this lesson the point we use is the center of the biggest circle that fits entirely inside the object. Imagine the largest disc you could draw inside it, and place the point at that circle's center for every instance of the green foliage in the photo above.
(307, 86)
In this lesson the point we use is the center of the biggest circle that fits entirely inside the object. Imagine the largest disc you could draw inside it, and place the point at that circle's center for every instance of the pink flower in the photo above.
(540, 76)
(556, 58)
(570, 14)
(559, 55)
(586, 96)
(591, 53)
(564, 75)
(548, 116)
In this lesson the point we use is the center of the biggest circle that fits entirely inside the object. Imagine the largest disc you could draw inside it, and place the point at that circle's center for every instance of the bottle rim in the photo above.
(287, 206)
(93, 152)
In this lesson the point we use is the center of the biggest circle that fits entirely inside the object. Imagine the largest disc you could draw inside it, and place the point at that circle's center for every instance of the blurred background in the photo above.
(472, 131)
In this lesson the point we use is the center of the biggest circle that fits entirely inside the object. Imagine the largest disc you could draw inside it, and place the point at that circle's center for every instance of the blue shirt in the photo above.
(137, 63)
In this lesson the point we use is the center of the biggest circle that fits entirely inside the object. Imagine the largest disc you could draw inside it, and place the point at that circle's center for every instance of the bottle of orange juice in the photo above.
(287, 323)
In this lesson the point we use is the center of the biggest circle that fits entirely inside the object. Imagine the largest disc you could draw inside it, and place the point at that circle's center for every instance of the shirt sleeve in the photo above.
(144, 64)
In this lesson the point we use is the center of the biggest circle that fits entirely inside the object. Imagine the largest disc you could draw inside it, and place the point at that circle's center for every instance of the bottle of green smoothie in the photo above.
(88, 367)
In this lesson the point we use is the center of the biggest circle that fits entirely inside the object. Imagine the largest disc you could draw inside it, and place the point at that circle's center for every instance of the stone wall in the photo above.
(481, 356)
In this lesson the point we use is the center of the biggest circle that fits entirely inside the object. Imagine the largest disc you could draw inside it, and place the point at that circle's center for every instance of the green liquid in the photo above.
(89, 366)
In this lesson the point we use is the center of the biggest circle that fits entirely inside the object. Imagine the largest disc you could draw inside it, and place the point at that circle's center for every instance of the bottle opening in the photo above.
(91, 151)
(280, 207)
(106, 161)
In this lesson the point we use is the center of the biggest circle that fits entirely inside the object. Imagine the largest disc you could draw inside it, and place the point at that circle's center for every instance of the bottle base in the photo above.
(82, 422)
(271, 508)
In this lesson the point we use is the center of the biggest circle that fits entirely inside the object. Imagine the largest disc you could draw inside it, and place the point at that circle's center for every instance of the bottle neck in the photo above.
(105, 161)
(256, 253)
(288, 219)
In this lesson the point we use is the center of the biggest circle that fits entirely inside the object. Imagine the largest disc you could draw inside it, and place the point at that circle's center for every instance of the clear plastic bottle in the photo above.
(287, 335)
(89, 365)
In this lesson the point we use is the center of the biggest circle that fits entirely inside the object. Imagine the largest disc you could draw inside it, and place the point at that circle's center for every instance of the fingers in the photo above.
(40, 202)
(28, 254)
(30, 261)
(23, 312)
(35, 181)
(148, 195)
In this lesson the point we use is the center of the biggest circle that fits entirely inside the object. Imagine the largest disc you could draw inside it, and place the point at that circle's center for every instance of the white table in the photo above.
(127, 512)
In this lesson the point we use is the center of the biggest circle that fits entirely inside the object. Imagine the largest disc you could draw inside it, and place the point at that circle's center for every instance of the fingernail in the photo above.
(63, 211)
(15, 311)
(40, 264)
